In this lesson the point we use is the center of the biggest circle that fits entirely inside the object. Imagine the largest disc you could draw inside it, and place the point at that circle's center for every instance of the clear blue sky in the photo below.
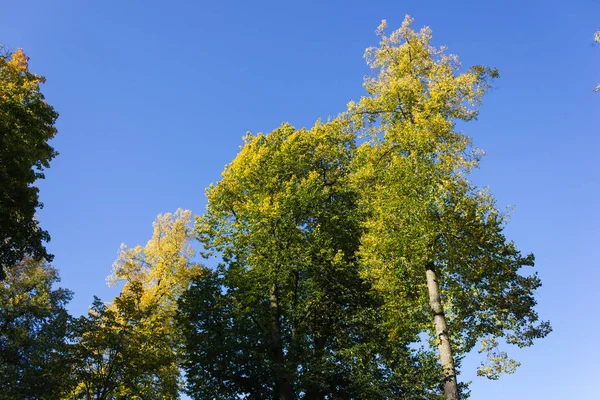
(154, 98)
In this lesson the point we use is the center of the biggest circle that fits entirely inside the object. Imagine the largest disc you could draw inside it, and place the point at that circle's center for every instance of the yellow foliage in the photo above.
(163, 267)
(19, 60)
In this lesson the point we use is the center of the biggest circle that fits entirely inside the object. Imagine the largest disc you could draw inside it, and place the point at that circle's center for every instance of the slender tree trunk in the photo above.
(441, 331)
(283, 386)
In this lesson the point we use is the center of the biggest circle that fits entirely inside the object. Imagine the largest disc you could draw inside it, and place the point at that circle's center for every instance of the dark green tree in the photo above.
(35, 329)
(98, 355)
(225, 353)
(26, 126)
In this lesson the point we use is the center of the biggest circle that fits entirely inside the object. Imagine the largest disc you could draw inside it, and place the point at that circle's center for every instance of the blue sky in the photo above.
(154, 98)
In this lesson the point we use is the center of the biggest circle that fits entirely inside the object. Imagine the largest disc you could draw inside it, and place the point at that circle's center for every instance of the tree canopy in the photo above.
(35, 329)
(433, 243)
(350, 260)
(26, 126)
(285, 221)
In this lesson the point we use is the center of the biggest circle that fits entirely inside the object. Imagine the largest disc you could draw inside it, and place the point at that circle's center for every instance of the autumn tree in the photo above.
(157, 275)
(433, 244)
(111, 358)
(286, 310)
(129, 347)
(35, 331)
(26, 126)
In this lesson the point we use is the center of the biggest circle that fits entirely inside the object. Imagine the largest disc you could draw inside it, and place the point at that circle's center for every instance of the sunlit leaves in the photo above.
(35, 329)
(286, 222)
(421, 208)
(26, 126)
(129, 348)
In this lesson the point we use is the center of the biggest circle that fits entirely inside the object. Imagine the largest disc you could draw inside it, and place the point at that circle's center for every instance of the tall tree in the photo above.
(433, 245)
(35, 329)
(26, 126)
(285, 222)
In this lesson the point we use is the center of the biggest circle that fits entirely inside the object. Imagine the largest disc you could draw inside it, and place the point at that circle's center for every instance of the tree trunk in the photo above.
(441, 331)
(283, 386)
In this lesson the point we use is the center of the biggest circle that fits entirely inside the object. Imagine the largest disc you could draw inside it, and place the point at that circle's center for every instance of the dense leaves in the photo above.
(129, 348)
(113, 359)
(285, 221)
(26, 126)
(34, 333)
(352, 260)
(225, 351)
(424, 217)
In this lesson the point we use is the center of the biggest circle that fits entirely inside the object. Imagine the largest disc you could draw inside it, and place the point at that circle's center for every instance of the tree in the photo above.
(433, 244)
(99, 355)
(227, 355)
(129, 348)
(287, 315)
(224, 351)
(113, 358)
(156, 275)
(26, 126)
(35, 329)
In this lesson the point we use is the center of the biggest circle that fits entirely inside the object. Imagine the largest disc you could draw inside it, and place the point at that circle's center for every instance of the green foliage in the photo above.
(26, 126)
(98, 354)
(34, 331)
(225, 351)
(333, 258)
(112, 359)
(300, 321)
(421, 208)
